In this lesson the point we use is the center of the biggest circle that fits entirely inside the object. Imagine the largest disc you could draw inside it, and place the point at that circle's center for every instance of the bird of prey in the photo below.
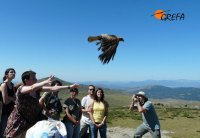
(108, 46)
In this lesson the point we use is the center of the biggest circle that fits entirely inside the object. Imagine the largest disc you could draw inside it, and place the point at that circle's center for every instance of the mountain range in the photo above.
(130, 84)
(162, 92)
(164, 89)
(181, 90)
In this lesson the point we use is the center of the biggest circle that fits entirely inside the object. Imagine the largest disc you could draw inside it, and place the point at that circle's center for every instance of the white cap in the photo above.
(141, 93)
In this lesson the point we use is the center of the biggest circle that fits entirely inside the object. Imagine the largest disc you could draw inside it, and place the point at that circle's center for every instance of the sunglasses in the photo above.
(91, 89)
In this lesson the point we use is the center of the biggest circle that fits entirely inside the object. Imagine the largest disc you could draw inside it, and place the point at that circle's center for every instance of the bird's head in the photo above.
(121, 39)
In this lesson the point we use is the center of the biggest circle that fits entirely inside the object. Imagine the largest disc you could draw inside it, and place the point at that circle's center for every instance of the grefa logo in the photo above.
(168, 16)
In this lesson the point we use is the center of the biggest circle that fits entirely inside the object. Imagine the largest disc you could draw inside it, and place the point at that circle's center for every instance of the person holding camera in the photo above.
(150, 119)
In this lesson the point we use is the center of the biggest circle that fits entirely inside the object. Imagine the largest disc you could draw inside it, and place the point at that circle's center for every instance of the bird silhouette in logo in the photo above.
(107, 44)
(160, 14)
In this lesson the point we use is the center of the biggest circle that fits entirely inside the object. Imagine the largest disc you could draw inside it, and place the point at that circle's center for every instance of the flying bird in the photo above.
(108, 46)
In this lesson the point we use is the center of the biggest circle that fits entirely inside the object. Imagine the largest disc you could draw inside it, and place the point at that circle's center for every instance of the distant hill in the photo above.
(113, 96)
(162, 92)
(122, 96)
(174, 89)
(130, 84)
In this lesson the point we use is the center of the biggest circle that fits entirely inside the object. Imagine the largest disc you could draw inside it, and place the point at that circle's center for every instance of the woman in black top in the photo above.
(7, 97)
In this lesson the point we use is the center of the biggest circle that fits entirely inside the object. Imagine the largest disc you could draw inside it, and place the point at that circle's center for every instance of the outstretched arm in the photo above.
(36, 86)
(57, 88)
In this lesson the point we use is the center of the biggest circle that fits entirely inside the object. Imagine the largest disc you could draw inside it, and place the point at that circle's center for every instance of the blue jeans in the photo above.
(142, 129)
(102, 130)
(84, 130)
(72, 131)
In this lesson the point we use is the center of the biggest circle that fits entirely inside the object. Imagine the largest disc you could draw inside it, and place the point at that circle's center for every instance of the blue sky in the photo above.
(50, 37)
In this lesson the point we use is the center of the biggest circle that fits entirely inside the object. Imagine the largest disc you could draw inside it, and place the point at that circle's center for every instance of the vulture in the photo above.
(107, 44)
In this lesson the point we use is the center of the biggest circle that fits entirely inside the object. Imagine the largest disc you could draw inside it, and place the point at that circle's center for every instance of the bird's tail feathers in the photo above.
(93, 38)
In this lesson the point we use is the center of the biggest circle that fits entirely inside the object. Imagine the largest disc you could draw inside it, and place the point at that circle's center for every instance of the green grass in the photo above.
(183, 121)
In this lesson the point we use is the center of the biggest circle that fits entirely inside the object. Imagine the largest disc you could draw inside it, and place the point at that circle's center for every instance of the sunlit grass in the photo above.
(175, 116)
(180, 122)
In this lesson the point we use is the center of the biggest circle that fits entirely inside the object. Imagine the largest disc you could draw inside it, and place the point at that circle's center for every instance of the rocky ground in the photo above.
(118, 132)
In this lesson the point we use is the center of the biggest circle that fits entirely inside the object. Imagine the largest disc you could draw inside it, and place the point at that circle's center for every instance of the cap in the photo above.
(141, 93)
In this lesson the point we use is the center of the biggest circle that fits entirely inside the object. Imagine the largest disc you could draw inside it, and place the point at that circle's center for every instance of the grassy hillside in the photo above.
(179, 122)
(181, 118)
(114, 98)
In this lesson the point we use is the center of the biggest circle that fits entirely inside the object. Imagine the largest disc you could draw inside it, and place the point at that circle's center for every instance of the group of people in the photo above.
(21, 106)
(87, 115)
(94, 113)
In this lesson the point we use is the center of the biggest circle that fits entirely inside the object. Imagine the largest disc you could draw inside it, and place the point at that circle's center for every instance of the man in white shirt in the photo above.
(85, 119)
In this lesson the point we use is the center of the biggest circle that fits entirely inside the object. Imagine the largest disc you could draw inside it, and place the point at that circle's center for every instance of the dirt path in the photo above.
(117, 132)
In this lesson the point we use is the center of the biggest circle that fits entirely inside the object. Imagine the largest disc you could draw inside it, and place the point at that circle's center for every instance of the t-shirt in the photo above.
(150, 118)
(86, 102)
(99, 111)
(74, 107)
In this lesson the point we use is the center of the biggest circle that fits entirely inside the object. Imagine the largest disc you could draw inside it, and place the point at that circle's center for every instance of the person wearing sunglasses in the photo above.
(85, 119)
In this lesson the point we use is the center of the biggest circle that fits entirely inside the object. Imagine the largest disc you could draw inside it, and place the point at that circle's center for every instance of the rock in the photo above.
(118, 132)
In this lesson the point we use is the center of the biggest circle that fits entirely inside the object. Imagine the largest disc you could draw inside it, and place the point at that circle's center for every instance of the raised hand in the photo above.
(133, 98)
(49, 80)
(75, 85)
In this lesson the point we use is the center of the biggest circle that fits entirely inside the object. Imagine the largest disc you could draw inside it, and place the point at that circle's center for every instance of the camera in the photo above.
(135, 99)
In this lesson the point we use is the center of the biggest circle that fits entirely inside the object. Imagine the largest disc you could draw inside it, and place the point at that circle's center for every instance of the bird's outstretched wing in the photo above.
(108, 52)
(108, 46)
